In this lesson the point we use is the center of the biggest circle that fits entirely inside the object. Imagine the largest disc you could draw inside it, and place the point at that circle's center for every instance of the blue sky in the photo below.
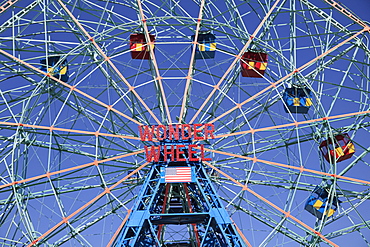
(338, 85)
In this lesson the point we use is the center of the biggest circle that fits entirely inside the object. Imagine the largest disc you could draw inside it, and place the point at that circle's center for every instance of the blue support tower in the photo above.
(178, 206)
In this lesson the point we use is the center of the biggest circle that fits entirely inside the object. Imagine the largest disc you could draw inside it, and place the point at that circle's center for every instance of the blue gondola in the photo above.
(319, 201)
(60, 71)
(206, 49)
(297, 100)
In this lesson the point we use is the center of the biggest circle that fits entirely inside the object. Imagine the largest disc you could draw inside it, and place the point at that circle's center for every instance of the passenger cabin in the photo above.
(55, 67)
(138, 46)
(206, 47)
(318, 203)
(297, 100)
(338, 148)
(253, 64)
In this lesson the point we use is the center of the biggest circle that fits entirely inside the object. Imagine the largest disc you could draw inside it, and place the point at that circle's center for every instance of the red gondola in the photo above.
(253, 64)
(139, 47)
(342, 149)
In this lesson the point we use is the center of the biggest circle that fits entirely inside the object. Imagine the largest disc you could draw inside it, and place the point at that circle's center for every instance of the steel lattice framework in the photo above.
(72, 163)
(162, 206)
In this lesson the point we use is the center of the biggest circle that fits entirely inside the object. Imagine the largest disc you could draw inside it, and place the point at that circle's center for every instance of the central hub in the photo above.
(176, 142)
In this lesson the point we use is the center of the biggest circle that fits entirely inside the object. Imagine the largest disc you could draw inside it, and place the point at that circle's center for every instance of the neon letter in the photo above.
(191, 152)
(153, 153)
(148, 134)
(173, 133)
(161, 137)
(196, 131)
(202, 153)
(167, 152)
(179, 152)
(209, 131)
(183, 132)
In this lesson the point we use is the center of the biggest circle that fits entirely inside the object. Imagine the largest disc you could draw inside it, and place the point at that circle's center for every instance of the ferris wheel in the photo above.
(263, 105)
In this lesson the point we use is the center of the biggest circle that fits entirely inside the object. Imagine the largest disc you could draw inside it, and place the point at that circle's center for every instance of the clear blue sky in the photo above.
(360, 7)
